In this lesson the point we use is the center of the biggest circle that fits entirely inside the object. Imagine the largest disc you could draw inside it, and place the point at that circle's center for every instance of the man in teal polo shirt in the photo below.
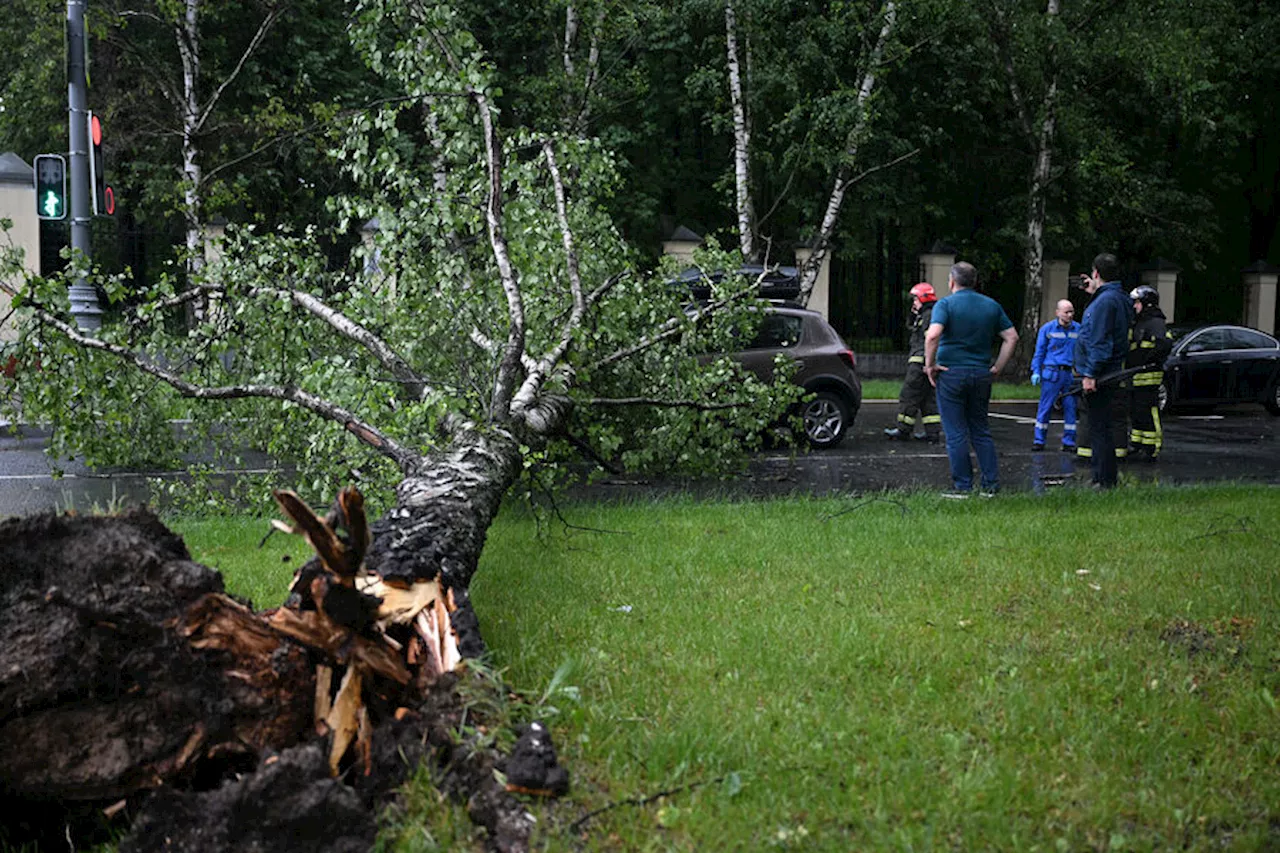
(957, 358)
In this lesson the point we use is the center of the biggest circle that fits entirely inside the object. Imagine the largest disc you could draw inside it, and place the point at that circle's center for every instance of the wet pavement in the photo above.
(1232, 443)
(30, 482)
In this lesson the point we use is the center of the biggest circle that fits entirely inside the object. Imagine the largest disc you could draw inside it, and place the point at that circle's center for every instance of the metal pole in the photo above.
(84, 297)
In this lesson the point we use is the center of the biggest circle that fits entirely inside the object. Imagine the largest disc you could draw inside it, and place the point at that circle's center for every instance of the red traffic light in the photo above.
(95, 130)
(110, 200)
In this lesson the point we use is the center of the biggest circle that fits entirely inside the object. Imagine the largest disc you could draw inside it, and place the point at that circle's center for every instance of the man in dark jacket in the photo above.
(1149, 346)
(917, 402)
(1101, 350)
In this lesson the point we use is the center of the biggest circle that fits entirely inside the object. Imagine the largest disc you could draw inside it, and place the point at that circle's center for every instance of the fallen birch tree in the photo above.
(494, 323)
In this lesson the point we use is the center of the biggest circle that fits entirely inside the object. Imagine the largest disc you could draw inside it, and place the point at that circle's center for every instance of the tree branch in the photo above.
(271, 18)
(514, 353)
(408, 460)
(415, 386)
(533, 381)
(675, 326)
(809, 274)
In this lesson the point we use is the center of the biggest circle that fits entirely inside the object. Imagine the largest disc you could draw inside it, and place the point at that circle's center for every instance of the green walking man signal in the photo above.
(51, 186)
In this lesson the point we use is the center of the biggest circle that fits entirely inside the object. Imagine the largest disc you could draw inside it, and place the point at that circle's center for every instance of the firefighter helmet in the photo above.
(924, 292)
(1146, 294)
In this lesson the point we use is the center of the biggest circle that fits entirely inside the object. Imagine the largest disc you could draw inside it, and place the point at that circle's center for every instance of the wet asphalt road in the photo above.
(1231, 443)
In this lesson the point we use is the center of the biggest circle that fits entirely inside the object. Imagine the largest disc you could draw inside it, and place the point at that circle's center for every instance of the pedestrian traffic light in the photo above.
(51, 186)
(104, 198)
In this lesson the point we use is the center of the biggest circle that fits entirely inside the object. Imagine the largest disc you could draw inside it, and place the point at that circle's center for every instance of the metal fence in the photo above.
(868, 304)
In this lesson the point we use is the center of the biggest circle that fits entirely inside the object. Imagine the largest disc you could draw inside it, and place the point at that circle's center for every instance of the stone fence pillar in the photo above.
(18, 203)
(1163, 276)
(820, 297)
(1260, 296)
(935, 266)
(1054, 277)
(681, 244)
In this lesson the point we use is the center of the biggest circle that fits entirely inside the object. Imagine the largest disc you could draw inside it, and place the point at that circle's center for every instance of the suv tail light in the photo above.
(847, 356)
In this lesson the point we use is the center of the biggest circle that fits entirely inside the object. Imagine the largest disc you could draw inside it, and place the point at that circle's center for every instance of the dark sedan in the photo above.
(1210, 365)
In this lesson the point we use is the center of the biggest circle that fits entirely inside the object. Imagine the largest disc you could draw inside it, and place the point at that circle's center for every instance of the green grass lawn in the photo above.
(887, 389)
(1069, 672)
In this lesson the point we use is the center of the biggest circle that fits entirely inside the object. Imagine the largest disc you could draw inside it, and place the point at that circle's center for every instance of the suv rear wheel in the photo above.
(826, 417)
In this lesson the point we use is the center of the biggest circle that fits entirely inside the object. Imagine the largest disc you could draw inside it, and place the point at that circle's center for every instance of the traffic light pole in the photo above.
(84, 297)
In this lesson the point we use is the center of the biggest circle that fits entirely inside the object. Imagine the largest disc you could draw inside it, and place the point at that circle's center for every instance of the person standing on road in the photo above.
(957, 360)
(1051, 370)
(1101, 350)
(917, 402)
(1149, 346)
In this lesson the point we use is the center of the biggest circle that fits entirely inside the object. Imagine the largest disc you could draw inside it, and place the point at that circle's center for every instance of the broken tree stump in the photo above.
(130, 682)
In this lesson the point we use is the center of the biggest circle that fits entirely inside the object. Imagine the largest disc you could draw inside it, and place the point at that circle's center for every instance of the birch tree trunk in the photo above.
(188, 38)
(1033, 258)
(577, 111)
(741, 140)
(1039, 127)
(845, 175)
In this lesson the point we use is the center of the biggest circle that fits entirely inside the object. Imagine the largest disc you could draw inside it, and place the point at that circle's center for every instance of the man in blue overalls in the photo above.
(1051, 370)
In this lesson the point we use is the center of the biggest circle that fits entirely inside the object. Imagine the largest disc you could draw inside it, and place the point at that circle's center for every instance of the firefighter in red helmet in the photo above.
(917, 403)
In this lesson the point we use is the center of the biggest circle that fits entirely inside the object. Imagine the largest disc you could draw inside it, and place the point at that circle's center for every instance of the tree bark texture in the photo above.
(741, 139)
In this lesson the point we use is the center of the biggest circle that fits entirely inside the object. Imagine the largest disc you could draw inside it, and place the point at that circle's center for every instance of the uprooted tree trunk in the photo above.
(131, 683)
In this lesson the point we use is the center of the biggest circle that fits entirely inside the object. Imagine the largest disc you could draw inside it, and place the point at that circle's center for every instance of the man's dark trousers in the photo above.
(964, 395)
(1101, 437)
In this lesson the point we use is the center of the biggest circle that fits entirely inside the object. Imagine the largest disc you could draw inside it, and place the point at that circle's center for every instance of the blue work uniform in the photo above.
(1055, 351)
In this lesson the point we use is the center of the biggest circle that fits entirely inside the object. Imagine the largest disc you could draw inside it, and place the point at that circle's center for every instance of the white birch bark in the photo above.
(577, 93)
(741, 139)
(843, 179)
(192, 118)
(188, 38)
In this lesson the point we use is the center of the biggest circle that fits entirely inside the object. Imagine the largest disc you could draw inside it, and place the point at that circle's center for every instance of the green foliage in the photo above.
(436, 291)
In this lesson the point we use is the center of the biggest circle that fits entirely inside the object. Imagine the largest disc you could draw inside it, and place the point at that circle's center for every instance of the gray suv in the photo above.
(825, 367)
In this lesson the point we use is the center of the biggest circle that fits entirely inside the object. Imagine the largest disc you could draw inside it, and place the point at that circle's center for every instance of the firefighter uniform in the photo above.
(1055, 348)
(917, 401)
(1149, 345)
